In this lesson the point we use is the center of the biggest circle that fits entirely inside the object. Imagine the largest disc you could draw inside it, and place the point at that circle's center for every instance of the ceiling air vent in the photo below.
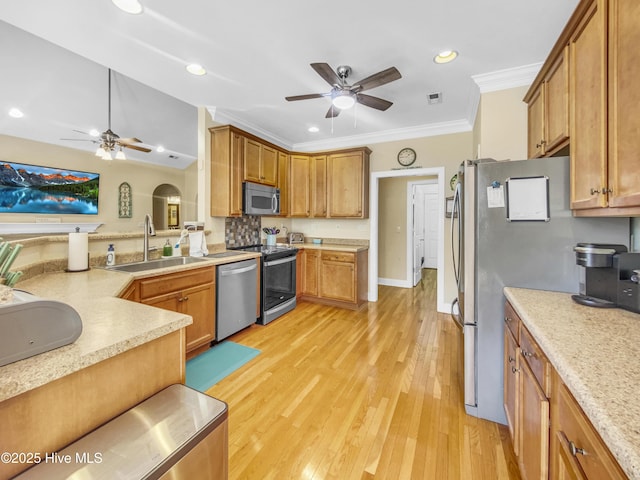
(173, 157)
(435, 97)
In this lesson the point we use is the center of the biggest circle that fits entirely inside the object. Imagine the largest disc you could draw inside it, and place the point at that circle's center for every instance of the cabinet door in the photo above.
(588, 94)
(556, 103)
(199, 302)
(268, 165)
(535, 113)
(338, 280)
(235, 170)
(534, 426)
(511, 377)
(169, 301)
(347, 185)
(311, 272)
(567, 468)
(624, 98)
(299, 184)
(252, 160)
(283, 183)
(319, 186)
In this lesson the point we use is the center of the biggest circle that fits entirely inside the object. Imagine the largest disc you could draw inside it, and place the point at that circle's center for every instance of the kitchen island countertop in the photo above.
(110, 325)
(596, 352)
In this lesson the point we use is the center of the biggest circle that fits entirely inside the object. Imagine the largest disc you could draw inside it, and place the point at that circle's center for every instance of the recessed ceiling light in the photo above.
(160, 149)
(445, 56)
(196, 69)
(94, 133)
(133, 7)
(16, 113)
(313, 129)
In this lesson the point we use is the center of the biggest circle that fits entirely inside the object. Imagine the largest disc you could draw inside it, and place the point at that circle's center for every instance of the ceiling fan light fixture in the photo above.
(107, 155)
(344, 100)
(445, 56)
(120, 155)
(196, 69)
(100, 151)
(134, 7)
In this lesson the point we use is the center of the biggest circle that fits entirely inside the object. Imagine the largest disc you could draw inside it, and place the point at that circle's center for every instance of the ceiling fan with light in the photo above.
(343, 95)
(110, 141)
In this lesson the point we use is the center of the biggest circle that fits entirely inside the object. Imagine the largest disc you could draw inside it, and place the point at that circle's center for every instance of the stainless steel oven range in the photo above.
(277, 279)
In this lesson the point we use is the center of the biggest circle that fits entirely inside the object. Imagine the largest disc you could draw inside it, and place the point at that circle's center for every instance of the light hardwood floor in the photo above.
(374, 394)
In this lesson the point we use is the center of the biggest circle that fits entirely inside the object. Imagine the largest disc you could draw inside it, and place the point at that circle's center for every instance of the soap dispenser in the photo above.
(167, 250)
(111, 255)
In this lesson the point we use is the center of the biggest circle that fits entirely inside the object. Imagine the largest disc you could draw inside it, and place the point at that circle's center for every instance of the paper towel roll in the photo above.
(78, 252)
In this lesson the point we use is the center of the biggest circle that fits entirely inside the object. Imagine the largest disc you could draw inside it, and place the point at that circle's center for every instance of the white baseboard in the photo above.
(394, 282)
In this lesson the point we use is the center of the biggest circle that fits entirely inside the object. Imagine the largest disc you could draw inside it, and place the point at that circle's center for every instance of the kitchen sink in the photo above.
(155, 264)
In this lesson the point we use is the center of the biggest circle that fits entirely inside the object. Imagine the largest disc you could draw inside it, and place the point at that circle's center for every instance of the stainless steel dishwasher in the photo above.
(236, 285)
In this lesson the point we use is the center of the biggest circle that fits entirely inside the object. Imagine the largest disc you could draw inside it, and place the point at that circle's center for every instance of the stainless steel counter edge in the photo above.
(595, 352)
(110, 325)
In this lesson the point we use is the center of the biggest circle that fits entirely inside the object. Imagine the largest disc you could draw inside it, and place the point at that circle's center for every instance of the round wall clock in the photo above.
(406, 156)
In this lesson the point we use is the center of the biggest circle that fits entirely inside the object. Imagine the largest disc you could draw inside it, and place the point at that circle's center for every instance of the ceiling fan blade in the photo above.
(305, 97)
(79, 140)
(326, 72)
(134, 147)
(80, 131)
(332, 112)
(377, 79)
(129, 140)
(373, 102)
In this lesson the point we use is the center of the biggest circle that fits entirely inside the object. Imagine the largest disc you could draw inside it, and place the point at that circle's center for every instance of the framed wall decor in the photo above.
(173, 216)
(124, 200)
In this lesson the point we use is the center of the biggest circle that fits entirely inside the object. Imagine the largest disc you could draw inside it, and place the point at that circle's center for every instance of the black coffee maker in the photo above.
(610, 277)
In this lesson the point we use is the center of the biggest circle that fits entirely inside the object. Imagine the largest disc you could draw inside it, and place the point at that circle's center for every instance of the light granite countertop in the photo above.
(336, 247)
(110, 325)
(597, 355)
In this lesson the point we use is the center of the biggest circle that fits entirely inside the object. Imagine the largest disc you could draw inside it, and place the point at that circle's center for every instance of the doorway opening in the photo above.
(439, 174)
(422, 226)
(167, 207)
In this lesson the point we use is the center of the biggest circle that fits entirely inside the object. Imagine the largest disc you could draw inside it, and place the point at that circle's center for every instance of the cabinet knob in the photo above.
(575, 450)
(595, 191)
(526, 354)
(507, 320)
(607, 190)
(514, 370)
(511, 359)
(539, 145)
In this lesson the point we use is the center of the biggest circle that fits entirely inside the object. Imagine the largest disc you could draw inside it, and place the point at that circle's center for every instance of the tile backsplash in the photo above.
(242, 231)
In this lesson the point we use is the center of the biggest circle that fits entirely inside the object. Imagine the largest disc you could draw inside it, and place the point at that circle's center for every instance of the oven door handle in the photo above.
(280, 260)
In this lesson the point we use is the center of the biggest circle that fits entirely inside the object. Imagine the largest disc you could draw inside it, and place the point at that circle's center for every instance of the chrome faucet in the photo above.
(149, 230)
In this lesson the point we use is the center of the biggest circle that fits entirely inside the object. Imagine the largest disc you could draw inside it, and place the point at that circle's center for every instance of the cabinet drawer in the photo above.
(339, 257)
(172, 282)
(512, 321)
(583, 443)
(536, 359)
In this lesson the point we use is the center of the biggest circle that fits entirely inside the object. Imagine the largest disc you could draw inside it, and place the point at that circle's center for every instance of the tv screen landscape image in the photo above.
(34, 189)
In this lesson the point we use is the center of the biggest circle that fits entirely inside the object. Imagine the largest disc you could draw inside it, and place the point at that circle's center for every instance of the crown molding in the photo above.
(508, 78)
(225, 118)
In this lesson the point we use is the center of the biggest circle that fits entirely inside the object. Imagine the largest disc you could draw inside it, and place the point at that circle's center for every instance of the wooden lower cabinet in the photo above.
(191, 292)
(551, 435)
(577, 449)
(335, 277)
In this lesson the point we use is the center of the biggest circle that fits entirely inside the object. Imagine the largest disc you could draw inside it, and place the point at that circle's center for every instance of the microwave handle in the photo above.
(274, 203)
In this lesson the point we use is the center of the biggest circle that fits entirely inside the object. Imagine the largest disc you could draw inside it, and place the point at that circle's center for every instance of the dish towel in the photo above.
(197, 245)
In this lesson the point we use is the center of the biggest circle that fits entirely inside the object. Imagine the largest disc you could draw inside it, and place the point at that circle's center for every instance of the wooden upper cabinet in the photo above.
(227, 150)
(283, 183)
(260, 163)
(348, 184)
(556, 104)
(588, 99)
(624, 98)
(535, 124)
(319, 186)
(548, 109)
(299, 186)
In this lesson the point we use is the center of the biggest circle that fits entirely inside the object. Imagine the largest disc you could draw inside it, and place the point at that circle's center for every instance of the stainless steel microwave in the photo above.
(258, 199)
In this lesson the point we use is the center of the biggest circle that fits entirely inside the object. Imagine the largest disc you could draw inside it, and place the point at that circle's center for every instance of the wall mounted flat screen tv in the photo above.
(34, 189)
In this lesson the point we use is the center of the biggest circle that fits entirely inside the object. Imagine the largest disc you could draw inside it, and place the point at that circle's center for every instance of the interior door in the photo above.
(418, 233)
(430, 226)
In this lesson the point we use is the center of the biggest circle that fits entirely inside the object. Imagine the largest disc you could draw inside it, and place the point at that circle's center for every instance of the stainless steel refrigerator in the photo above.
(512, 226)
